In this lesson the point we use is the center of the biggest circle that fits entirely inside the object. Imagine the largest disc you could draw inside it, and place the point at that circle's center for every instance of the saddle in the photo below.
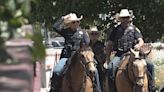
(68, 63)
(124, 61)
(145, 50)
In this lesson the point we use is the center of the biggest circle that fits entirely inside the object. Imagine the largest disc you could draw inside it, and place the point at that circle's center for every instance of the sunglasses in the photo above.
(75, 22)
(125, 17)
(94, 33)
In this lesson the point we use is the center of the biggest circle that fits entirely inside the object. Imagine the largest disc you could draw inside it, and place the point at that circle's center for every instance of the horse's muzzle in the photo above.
(92, 72)
(92, 69)
(140, 82)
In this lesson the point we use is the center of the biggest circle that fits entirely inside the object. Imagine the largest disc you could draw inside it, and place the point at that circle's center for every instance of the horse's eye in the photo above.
(145, 66)
(82, 56)
(95, 64)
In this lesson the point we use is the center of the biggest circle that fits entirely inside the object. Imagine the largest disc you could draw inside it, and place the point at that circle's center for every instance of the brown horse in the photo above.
(78, 77)
(132, 74)
(102, 73)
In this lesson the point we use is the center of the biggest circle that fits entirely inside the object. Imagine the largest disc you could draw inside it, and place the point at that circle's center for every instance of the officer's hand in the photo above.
(137, 47)
(105, 65)
(66, 16)
(146, 48)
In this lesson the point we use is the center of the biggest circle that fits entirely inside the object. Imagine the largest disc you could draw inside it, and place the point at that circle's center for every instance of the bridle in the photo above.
(134, 82)
(84, 62)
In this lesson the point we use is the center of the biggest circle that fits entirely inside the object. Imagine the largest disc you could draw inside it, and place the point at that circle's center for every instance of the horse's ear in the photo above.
(132, 50)
(135, 52)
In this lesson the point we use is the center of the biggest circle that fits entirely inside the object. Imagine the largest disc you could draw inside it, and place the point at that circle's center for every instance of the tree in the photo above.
(14, 14)
(148, 13)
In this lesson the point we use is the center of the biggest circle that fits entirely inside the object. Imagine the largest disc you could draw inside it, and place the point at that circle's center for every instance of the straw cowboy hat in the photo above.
(124, 13)
(93, 29)
(71, 17)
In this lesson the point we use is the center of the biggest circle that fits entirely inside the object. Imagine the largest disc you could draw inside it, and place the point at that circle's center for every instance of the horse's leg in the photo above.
(88, 85)
(146, 83)
(122, 83)
(105, 84)
(65, 85)
(111, 81)
(101, 76)
(103, 79)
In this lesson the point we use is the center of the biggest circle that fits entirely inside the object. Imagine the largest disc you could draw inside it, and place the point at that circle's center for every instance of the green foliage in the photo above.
(13, 15)
(38, 47)
(148, 13)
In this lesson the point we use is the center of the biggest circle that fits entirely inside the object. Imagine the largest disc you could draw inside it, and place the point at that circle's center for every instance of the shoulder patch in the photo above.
(131, 28)
(80, 32)
(138, 30)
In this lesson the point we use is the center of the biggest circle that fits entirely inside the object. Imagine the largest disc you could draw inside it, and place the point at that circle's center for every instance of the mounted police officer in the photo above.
(121, 39)
(68, 27)
(98, 49)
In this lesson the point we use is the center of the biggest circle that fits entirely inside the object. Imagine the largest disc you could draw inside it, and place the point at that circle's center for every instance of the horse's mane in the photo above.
(129, 57)
(73, 59)
(125, 61)
(75, 55)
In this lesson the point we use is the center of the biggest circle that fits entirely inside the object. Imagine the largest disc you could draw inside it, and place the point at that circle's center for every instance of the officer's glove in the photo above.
(146, 48)
(66, 16)
(105, 65)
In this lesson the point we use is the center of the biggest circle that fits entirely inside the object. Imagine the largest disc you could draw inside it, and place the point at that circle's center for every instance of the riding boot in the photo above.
(111, 81)
(152, 86)
(151, 76)
(55, 83)
(101, 76)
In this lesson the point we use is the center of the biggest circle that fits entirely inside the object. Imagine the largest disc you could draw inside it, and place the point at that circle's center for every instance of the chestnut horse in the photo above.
(78, 77)
(132, 73)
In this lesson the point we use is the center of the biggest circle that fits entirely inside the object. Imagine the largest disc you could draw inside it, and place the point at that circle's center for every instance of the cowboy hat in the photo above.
(124, 13)
(93, 29)
(71, 17)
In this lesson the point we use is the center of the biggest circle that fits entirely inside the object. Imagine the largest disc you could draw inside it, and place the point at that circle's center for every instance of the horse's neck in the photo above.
(124, 62)
(77, 75)
(130, 68)
(76, 68)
